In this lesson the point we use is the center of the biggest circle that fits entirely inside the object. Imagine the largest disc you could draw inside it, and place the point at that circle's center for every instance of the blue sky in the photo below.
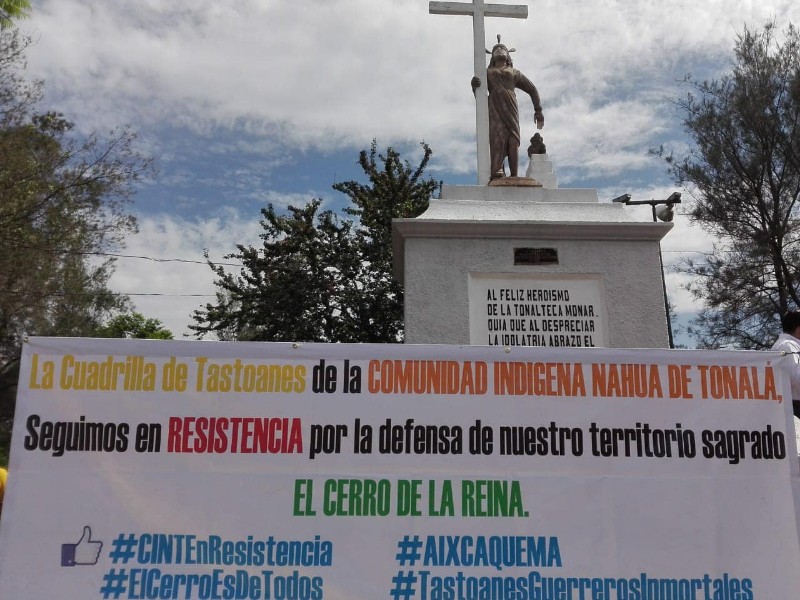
(257, 101)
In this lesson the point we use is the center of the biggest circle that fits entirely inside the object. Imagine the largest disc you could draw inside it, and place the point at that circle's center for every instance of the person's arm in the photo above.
(526, 85)
(795, 376)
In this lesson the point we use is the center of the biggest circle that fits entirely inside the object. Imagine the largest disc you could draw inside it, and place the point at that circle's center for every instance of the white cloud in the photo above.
(322, 74)
(170, 289)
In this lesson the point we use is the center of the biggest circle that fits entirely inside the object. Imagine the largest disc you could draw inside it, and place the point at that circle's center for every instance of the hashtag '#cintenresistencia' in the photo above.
(123, 548)
(409, 550)
(403, 585)
(114, 583)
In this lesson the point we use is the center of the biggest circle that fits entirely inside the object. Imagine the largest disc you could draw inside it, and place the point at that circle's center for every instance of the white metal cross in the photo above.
(478, 10)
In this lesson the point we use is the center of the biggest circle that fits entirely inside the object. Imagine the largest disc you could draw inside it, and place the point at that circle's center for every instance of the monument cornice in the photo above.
(521, 230)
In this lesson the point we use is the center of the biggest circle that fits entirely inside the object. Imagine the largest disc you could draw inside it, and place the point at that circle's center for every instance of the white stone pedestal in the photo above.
(530, 266)
(540, 168)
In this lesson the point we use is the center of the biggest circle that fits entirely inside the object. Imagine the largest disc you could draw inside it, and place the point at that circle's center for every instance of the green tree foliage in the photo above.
(394, 190)
(134, 326)
(63, 201)
(319, 276)
(13, 9)
(744, 168)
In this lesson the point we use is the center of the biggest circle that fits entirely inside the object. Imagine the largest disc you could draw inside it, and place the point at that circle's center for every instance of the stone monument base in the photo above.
(530, 266)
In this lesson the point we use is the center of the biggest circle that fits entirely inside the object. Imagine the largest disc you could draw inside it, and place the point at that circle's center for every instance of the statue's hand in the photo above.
(475, 83)
(538, 116)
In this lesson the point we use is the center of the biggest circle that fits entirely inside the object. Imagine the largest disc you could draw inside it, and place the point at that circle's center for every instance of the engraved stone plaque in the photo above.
(538, 309)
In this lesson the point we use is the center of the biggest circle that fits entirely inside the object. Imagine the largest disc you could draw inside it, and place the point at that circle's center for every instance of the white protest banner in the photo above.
(155, 469)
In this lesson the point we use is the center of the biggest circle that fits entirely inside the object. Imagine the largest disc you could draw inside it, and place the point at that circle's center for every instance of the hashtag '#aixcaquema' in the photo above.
(409, 550)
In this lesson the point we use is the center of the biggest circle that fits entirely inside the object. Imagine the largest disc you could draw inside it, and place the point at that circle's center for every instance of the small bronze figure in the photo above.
(537, 145)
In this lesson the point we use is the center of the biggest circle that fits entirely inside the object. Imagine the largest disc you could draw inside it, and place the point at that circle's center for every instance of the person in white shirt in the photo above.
(789, 342)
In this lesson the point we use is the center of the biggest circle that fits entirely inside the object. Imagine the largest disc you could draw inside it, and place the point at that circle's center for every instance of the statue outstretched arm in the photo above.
(526, 85)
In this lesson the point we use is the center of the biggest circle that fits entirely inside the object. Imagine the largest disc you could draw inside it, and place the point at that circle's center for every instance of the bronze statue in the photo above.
(504, 135)
(537, 145)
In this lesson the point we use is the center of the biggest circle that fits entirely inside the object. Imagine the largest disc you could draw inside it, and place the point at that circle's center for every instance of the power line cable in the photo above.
(160, 260)
(121, 255)
(102, 293)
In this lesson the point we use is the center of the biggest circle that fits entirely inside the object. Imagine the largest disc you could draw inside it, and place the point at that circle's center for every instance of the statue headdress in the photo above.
(500, 45)
(504, 47)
